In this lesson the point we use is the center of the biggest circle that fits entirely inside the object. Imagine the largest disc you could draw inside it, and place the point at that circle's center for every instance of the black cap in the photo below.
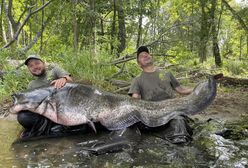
(32, 57)
(142, 49)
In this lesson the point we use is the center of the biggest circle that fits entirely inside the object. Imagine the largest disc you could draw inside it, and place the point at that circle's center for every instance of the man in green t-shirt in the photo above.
(44, 76)
(35, 124)
(156, 85)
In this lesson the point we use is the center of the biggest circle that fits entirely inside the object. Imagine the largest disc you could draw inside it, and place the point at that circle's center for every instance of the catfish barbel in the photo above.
(76, 104)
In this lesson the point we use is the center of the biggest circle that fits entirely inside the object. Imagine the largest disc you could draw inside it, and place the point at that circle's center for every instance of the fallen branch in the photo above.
(119, 71)
(225, 80)
(233, 81)
(120, 83)
(123, 89)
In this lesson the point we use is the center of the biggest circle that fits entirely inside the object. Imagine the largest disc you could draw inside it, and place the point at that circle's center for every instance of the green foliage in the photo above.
(12, 82)
(88, 67)
(236, 68)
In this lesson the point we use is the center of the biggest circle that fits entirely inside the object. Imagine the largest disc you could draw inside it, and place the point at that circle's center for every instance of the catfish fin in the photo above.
(156, 122)
(121, 122)
(92, 125)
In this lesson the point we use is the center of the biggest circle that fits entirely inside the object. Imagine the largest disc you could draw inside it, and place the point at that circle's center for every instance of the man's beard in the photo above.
(41, 74)
(148, 64)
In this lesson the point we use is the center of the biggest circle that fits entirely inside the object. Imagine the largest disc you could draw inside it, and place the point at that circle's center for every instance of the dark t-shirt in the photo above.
(154, 86)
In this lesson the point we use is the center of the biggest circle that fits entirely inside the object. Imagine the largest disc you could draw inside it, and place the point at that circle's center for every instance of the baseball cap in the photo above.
(142, 49)
(32, 57)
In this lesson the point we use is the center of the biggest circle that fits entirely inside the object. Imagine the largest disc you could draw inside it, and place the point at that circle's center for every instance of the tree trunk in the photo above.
(42, 27)
(247, 45)
(216, 51)
(203, 34)
(75, 26)
(30, 36)
(121, 25)
(240, 47)
(10, 16)
(4, 33)
(1, 22)
(102, 27)
(93, 31)
(140, 24)
(9, 31)
(191, 43)
(113, 29)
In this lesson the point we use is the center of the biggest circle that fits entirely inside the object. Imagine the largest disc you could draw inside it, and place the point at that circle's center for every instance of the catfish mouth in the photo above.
(14, 99)
(15, 107)
(14, 103)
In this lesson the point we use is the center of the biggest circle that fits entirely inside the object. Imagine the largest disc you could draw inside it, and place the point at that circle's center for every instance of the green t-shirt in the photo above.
(154, 86)
(50, 75)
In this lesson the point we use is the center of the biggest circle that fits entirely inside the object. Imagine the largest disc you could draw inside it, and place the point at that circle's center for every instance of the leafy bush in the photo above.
(13, 81)
(236, 67)
(85, 66)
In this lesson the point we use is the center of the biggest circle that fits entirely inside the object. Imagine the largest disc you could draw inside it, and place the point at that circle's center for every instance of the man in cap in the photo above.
(56, 76)
(156, 85)
(35, 124)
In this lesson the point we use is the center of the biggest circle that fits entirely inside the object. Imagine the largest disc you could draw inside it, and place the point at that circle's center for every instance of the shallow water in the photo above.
(8, 132)
(207, 150)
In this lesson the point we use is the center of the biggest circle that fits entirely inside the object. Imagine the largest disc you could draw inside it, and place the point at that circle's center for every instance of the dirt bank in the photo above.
(229, 105)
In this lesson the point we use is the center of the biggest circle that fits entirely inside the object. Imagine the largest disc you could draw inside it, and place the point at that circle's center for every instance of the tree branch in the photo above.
(24, 22)
(236, 16)
(37, 36)
(10, 17)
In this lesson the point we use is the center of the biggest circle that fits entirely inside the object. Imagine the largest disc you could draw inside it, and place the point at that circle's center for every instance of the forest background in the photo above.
(96, 40)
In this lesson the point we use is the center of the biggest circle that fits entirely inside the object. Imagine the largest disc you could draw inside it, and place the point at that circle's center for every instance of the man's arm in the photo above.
(134, 90)
(61, 77)
(59, 83)
(183, 91)
(176, 85)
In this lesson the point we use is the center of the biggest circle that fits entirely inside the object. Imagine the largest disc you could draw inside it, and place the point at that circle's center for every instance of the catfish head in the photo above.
(29, 100)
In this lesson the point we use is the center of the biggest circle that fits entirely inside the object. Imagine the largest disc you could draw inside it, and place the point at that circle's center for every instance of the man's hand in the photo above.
(136, 95)
(59, 83)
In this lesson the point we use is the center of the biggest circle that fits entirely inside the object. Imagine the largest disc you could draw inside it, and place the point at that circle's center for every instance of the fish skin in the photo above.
(76, 104)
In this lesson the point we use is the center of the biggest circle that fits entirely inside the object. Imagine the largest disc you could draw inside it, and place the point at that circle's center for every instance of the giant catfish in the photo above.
(76, 104)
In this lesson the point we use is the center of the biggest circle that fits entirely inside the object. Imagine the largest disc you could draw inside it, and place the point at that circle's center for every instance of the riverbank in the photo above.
(230, 104)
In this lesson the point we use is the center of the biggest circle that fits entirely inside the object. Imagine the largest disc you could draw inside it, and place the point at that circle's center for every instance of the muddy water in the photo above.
(207, 150)
(8, 132)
